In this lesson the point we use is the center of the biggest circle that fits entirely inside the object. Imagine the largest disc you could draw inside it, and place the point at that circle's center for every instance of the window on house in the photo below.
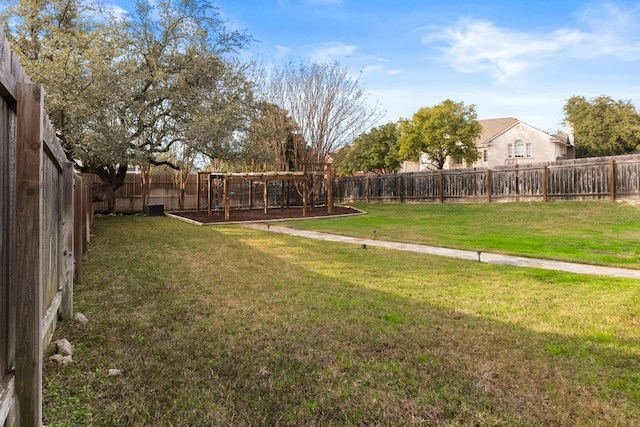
(457, 160)
(528, 148)
(484, 155)
(519, 148)
(510, 150)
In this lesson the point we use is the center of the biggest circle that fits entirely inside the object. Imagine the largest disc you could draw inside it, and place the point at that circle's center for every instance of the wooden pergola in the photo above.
(251, 177)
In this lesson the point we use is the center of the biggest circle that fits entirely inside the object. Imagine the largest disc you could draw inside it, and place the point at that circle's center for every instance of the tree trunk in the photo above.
(112, 177)
(111, 202)
(145, 175)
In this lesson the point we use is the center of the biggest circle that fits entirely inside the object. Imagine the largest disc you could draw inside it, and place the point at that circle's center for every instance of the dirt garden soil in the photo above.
(256, 215)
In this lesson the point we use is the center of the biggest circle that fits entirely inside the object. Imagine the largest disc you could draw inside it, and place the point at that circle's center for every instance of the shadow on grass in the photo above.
(238, 327)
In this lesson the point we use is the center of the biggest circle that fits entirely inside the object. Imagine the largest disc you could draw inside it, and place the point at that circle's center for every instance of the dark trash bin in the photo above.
(155, 210)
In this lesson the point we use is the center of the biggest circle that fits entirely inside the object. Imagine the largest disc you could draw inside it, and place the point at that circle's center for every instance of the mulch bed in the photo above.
(256, 215)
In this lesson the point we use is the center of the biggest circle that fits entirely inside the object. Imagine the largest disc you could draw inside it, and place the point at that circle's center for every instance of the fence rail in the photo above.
(37, 252)
(612, 178)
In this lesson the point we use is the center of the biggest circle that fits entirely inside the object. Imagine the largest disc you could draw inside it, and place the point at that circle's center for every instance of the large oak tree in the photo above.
(125, 89)
(603, 126)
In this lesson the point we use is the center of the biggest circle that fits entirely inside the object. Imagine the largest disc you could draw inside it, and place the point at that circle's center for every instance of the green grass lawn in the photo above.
(231, 326)
(600, 233)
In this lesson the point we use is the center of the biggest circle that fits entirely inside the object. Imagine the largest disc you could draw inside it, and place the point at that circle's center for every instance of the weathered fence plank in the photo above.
(8, 290)
(7, 259)
(67, 241)
(7, 389)
(78, 224)
(29, 268)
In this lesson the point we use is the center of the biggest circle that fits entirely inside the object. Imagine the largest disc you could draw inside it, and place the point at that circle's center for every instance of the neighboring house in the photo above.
(508, 141)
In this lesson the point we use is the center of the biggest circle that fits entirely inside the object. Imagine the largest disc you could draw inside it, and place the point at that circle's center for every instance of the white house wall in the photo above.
(542, 149)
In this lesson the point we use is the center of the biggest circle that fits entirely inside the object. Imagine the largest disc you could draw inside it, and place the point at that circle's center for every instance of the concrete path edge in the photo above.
(457, 253)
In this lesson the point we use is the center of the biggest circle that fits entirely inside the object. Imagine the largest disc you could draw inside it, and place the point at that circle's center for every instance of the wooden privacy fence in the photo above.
(37, 246)
(612, 178)
(163, 191)
(242, 193)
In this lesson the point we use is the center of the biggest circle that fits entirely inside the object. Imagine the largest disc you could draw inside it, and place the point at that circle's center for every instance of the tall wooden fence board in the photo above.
(8, 291)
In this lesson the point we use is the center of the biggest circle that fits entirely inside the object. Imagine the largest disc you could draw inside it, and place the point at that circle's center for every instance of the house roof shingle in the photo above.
(491, 128)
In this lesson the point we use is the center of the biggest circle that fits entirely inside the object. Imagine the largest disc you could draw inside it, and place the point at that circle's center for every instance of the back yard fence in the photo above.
(612, 178)
(37, 254)
(164, 191)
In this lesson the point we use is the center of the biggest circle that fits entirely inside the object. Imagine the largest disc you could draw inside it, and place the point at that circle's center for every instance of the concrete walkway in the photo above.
(457, 253)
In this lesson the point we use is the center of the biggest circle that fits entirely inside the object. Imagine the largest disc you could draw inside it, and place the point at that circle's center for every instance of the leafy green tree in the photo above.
(448, 129)
(124, 90)
(375, 151)
(65, 46)
(602, 126)
(181, 87)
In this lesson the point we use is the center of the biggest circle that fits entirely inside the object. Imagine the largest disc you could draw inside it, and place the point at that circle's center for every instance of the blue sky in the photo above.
(522, 60)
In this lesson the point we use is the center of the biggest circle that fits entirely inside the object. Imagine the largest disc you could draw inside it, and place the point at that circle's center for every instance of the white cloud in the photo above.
(371, 68)
(613, 31)
(333, 50)
(474, 45)
(117, 12)
(282, 51)
(479, 46)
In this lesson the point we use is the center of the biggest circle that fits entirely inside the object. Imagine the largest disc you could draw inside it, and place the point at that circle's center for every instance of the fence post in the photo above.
(488, 184)
(517, 183)
(209, 195)
(198, 193)
(544, 183)
(400, 187)
(367, 185)
(78, 223)
(441, 186)
(329, 203)
(612, 180)
(225, 197)
(304, 196)
(29, 211)
(265, 194)
(67, 239)
(86, 219)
